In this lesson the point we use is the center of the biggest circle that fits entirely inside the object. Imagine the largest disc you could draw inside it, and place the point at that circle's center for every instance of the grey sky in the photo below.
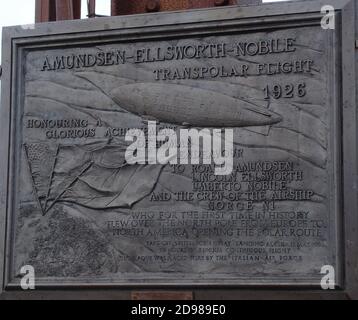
(16, 12)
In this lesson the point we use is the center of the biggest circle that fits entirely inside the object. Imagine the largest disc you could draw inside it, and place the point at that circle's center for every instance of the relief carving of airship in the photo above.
(190, 106)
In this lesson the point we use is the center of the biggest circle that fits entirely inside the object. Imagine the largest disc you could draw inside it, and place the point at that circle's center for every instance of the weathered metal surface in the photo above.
(64, 10)
(182, 224)
(122, 7)
(45, 10)
(77, 9)
(91, 8)
(152, 6)
(52, 10)
(82, 217)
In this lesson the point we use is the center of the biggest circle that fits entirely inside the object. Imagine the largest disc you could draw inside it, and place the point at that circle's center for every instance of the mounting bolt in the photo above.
(219, 3)
(152, 6)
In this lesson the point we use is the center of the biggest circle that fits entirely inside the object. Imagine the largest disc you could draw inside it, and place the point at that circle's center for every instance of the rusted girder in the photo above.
(45, 10)
(91, 7)
(52, 10)
(77, 9)
(64, 10)
(123, 7)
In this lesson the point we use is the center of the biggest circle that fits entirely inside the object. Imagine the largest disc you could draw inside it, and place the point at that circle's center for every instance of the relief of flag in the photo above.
(93, 175)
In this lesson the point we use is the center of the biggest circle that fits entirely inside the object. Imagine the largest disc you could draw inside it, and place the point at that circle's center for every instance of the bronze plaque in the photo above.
(81, 215)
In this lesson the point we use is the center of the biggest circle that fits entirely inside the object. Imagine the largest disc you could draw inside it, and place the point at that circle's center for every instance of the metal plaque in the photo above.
(80, 215)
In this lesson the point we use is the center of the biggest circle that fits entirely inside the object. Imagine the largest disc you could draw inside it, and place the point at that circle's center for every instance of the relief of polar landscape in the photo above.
(83, 215)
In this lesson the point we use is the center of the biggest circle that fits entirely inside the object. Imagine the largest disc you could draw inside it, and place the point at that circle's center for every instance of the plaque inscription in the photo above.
(85, 215)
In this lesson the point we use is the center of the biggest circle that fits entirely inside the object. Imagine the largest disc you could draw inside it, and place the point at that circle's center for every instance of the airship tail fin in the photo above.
(264, 130)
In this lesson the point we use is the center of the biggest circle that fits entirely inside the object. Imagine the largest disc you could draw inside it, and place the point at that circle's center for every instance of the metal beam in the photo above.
(52, 10)
(91, 8)
(77, 9)
(64, 10)
(45, 10)
(123, 7)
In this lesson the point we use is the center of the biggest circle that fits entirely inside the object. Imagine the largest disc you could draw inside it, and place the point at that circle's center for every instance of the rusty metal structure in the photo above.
(56, 10)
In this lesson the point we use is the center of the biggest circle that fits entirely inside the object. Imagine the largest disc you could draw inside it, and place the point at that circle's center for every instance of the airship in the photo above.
(190, 106)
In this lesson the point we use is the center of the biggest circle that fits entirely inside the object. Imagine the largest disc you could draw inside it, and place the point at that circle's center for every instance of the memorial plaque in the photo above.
(80, 215)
